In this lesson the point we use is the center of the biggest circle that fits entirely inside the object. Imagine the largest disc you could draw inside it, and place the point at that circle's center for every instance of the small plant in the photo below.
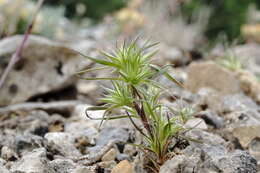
(135, 93)
(230, 61)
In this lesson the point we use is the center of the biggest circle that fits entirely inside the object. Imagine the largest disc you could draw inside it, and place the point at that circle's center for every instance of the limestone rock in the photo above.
(211, 75)
(44, 66)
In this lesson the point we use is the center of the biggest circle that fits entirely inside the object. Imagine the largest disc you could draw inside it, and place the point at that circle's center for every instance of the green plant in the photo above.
(230, 61)
(135, 93)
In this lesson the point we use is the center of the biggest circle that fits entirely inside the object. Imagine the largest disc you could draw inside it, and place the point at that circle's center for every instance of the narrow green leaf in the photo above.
(101, 78)
(99, 61)
(168, 76)
(90, 70)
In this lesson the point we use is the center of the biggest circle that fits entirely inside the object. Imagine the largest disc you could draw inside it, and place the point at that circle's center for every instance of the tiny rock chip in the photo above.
(123, 167)
(110, 155)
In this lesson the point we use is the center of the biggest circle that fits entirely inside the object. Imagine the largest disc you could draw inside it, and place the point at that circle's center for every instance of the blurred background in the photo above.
(183, 23)
(188, 30)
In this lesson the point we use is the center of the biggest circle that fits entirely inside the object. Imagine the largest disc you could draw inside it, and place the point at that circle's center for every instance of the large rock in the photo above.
(215, 101)
(44, 66)
(211, 75)
(109, 134)
(237, 102)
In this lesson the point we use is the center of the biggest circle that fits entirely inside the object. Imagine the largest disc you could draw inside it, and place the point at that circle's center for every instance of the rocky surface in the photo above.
(44, 128)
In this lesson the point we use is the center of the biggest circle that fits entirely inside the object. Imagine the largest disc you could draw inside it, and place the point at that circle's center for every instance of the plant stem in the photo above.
(140, 111)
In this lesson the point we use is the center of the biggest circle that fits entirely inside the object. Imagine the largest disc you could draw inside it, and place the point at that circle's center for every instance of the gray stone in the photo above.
(177, 164)
(211, 118)
(237, 102)
(205, 137)
(237, 162)
(121, 157)
(110, 134)
(210, 158)
(82, 128)
(62, 165)
(40, 56)
(33, 162)
(216, 102)
(61, 142)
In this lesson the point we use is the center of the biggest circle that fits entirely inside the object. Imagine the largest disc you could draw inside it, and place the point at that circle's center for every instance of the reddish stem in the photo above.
(17, 54)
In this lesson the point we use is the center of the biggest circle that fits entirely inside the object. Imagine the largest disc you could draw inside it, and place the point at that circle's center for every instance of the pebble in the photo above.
(123, 167)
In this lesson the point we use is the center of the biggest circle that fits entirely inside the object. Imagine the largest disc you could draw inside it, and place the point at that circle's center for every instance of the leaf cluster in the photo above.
(230, 61)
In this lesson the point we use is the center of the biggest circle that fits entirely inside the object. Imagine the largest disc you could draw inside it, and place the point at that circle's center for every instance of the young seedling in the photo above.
(135, 93)
(230, 61)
